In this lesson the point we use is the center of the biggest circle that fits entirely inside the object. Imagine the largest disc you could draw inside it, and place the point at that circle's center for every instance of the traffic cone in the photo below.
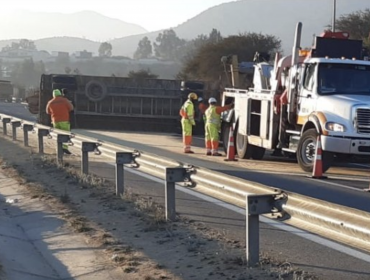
(317, 167)
(230, 147)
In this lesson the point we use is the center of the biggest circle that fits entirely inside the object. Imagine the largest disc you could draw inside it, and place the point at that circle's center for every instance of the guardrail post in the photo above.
(121, 159)
(5, 122)
(15, 124)
(61, 138)
(86, 148)
(41, 133)
(255, 206)
(173, 175)
(26, 129)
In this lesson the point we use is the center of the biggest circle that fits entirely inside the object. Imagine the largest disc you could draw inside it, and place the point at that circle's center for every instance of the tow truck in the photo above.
(327, 98)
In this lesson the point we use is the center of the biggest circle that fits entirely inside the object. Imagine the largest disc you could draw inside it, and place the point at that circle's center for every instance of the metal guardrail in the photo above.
(335, 222)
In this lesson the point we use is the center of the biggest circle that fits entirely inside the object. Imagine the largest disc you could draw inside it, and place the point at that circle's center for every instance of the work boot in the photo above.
(67, 152)
(216, 154)
(208, 153)
(189, 152)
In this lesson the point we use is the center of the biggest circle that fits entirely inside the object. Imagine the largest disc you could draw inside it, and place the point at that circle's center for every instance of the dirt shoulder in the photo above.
(130, 231)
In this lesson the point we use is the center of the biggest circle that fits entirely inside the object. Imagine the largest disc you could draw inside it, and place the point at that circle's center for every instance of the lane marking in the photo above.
(360, 164)
(340, 185)
(290, 229)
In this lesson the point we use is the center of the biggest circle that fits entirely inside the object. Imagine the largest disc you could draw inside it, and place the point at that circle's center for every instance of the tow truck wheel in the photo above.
(306, 152)
(243, 149)
(258, 152)
(225, 136)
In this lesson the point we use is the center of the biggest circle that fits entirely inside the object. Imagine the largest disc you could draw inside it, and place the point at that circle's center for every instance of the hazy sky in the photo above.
(153, 15)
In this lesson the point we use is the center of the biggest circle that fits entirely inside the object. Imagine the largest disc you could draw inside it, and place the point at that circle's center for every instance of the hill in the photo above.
(85, 24)
(274, 17)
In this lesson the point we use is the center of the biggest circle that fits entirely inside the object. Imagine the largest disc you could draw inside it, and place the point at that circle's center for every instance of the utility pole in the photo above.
(334, 12)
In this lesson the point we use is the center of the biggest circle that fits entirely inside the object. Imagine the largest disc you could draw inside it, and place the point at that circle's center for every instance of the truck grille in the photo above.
(363, 120)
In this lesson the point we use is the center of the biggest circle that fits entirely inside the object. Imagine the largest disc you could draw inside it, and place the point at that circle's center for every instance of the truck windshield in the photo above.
(337, 78)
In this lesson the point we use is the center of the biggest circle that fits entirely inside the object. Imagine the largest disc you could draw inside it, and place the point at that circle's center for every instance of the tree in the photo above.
(142, 74)
(28, 74)
(206, 64)
(22, 44)
(357, 24)
(169, 46)
(144, 49)
(194, 45)
(105, 49)
(27, 44)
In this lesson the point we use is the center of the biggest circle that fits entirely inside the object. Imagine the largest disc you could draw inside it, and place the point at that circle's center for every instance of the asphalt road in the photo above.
(345, 184)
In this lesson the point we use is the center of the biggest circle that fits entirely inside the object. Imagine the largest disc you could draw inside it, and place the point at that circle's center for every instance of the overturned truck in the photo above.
(117, 103)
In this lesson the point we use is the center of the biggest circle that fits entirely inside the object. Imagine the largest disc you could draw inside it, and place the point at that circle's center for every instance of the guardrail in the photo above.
(335, 222)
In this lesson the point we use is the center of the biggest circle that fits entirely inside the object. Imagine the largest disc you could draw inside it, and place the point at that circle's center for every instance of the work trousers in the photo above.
(212, 137)
(63, 126)
(187, 134)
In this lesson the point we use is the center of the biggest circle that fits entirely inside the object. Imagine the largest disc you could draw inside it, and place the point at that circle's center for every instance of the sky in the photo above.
(152, 15)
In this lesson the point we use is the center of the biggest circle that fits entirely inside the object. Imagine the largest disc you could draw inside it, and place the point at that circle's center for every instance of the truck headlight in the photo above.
(331, 126)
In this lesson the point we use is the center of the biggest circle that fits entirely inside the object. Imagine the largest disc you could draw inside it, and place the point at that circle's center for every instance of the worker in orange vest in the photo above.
(213, 126)
(59, 108)
(187, 122)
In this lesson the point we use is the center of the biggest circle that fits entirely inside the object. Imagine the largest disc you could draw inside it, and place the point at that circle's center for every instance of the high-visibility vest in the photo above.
(212, 116)
(187, 110)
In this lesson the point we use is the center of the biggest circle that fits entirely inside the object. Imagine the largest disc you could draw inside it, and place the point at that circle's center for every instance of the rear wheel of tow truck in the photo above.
(307, 149)
(225, 136)
(243, 149)
(257, 152)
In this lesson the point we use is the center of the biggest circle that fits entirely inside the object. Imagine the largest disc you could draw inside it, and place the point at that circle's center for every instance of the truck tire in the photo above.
(225, 136)
(243, 149)
(95, 90)
(306, 152)
(258, 152)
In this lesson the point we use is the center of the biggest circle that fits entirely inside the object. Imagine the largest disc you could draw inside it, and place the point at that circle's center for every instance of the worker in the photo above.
(202, 107)
(213, 125)
(187, 122)
(59, 108)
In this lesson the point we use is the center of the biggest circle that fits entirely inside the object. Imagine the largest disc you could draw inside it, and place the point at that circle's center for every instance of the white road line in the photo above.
(301, 233)
(360, 164)
(340, 185)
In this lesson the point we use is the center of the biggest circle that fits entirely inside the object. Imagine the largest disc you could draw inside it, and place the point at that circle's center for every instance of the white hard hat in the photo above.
(212, 100)
(200, 99)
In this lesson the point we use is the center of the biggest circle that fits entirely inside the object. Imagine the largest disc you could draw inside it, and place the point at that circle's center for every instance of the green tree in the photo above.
(27, 73)
(142, 74)
(144, 49)
(206, 64)
(105, 49)
(169, 46)
(194, 45)
(356, 23)
(27, 44)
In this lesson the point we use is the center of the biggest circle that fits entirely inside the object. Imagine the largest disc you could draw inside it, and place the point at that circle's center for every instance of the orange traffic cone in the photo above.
(317, 167)
(230, 147)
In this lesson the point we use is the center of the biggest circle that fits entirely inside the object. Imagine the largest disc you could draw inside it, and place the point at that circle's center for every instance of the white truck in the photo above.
(327, 91)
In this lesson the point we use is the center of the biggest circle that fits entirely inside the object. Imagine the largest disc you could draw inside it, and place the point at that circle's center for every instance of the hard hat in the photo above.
(56, 92)
(200, 99)
(212, 100)
(193, 96)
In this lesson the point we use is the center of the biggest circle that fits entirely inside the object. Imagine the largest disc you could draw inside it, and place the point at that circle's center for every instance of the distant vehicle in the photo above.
(6, 91)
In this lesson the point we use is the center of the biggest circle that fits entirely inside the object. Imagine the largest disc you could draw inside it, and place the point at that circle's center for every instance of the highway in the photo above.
(344, 186)
(345, 183)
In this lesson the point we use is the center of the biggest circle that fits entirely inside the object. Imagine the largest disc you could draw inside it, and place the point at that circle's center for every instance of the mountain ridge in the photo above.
(273, 17)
